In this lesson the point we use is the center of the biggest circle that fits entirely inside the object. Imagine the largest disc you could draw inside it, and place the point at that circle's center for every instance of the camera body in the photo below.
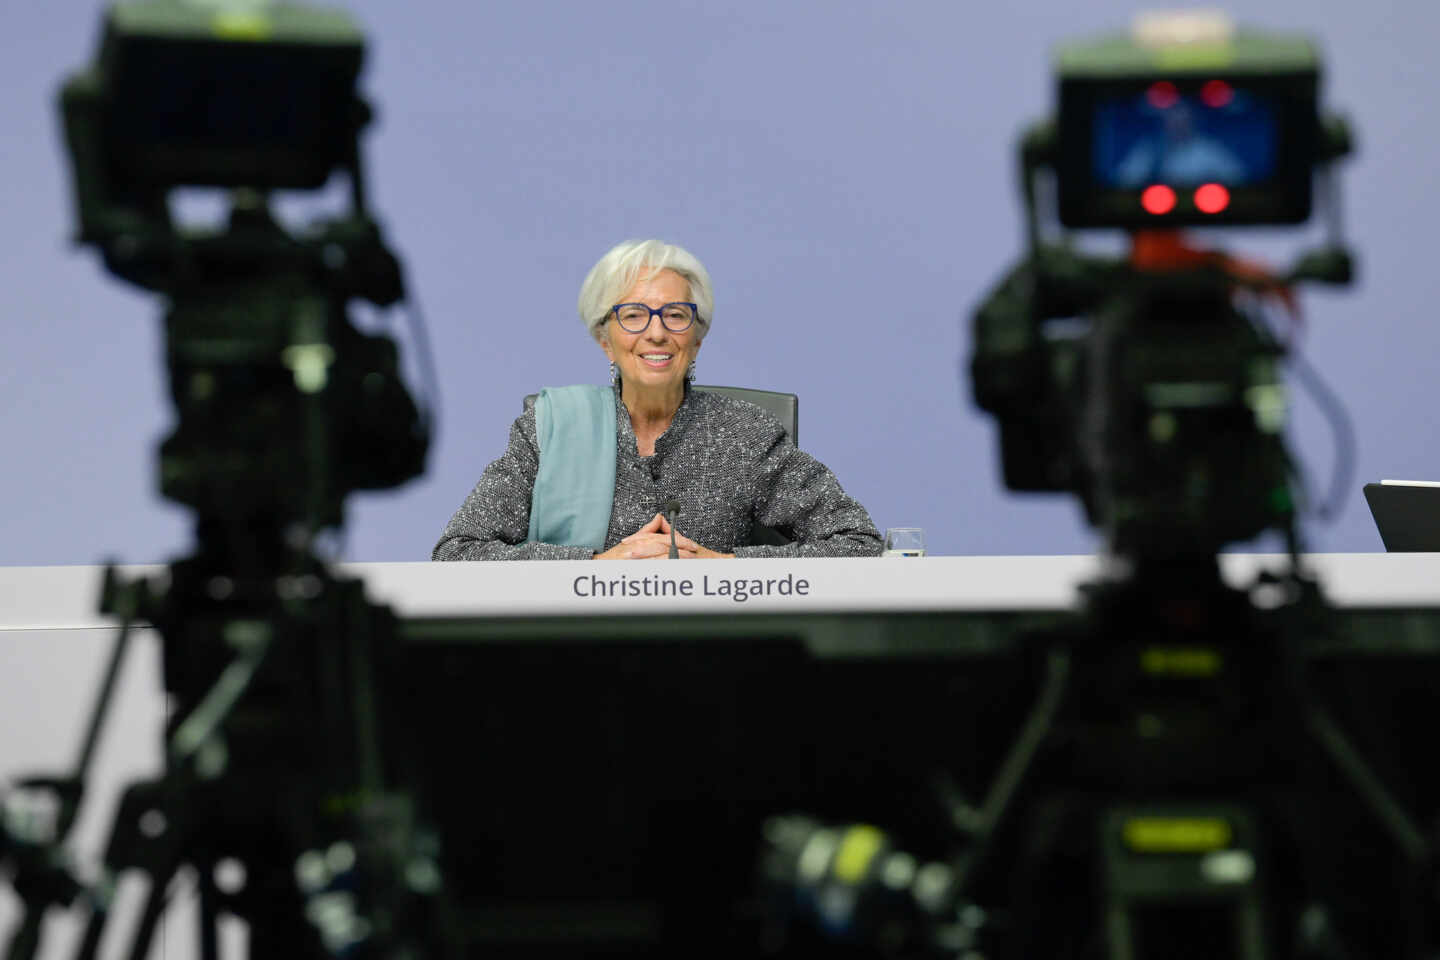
(283, 406)
(1150, 385)
(1157, 136)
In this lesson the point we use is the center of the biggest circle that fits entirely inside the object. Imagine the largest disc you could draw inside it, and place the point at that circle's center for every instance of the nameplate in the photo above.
(742, 586)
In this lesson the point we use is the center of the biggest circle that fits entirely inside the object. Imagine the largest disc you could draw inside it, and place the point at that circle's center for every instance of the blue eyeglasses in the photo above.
(636, 317)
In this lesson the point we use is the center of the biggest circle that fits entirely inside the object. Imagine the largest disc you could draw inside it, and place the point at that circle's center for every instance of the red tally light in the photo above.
(1217, 93)
(1211, 198)
(1162, 95)
(1158, 199)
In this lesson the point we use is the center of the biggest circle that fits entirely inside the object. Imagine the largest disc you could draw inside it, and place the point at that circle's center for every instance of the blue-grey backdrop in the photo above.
(844, 170)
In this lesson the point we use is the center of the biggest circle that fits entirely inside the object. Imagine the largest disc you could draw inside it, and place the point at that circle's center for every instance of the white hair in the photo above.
(629, 262)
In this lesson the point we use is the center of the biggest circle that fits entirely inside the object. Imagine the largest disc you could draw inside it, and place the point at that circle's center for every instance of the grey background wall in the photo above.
(844, 169)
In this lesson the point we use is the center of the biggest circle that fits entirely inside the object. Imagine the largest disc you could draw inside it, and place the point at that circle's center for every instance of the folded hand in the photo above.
(653, 540)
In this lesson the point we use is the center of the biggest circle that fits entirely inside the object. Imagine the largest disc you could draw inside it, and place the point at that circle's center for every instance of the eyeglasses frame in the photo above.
(658, 312)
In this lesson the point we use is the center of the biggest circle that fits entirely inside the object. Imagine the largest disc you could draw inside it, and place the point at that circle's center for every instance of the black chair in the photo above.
(784, 407)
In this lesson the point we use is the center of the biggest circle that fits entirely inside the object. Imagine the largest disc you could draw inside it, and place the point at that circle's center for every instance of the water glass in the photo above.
(904, 542)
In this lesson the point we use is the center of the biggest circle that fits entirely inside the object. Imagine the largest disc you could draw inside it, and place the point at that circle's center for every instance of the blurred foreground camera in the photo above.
(1193, 123)
(237, 95)
(1150, 385)
(273, 664)
(266, 369)
(1179, 787)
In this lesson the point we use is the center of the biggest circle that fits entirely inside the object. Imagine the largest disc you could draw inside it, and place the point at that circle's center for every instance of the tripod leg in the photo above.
(155, 904)
(1015, 766)
(1407, 836)
(95, 926)
(26, 937)
(1372, 790)
(209, 942)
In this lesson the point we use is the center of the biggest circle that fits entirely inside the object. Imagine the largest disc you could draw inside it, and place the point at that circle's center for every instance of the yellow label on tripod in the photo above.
(1181, 661)
(242, 25)
(858, 847)
(1176, 834)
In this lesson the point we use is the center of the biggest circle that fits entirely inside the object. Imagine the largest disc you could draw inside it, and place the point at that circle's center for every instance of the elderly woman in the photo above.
(591, 471)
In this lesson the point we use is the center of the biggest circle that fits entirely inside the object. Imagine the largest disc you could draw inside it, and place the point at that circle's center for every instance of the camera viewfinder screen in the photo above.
(1218, 134)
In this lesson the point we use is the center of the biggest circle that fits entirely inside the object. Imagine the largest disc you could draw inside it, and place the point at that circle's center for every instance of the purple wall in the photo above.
(844, 170)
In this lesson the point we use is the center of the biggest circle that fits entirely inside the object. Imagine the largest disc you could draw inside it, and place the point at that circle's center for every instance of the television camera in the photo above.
(275, 788)
(1147, 385)
(1179, 787)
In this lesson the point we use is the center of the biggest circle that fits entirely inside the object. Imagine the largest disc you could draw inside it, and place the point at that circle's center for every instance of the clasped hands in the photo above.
(653, 540)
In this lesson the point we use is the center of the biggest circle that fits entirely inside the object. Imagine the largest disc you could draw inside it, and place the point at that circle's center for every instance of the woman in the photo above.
(591, 471)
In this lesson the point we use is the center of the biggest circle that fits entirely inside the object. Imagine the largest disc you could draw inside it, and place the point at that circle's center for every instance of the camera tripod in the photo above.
(1180, 789)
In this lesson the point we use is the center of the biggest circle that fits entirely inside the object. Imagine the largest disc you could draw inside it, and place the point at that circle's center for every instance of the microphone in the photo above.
(672, 510)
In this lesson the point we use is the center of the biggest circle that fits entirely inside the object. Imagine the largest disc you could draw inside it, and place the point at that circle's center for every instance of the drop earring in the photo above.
(614, 374)
(690, 372)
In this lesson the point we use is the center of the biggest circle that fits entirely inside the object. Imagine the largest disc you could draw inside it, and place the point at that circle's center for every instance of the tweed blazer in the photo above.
(727, 462)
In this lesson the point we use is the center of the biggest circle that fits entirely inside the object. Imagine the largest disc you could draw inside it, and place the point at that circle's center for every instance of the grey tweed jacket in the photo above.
(726, 461)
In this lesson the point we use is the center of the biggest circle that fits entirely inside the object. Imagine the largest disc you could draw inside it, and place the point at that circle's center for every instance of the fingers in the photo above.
(657, 524)
(653, 540)
(685, 543)
(639, 546)
(690, 550)
(649, 546)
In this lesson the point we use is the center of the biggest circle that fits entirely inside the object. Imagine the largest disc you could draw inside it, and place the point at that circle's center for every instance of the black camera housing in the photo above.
(1241, 116)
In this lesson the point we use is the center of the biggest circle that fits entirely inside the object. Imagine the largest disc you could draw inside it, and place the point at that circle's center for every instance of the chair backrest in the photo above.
(784, 407)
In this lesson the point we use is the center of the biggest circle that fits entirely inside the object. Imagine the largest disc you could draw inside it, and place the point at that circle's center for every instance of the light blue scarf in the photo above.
(575, 485)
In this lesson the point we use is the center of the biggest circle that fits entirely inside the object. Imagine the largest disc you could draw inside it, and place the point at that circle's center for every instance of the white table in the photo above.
(66, 598)
(53, 642)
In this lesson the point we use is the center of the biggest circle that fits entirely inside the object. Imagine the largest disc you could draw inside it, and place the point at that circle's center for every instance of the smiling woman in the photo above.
(593, 471)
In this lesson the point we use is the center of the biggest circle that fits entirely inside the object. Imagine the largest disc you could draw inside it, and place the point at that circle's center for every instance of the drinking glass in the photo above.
(904, 542)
